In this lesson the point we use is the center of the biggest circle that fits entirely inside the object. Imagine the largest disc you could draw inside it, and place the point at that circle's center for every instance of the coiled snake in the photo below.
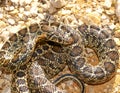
(52, 46)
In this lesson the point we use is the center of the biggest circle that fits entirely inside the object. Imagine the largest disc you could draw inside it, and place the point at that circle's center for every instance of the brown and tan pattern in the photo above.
(23, 44)
(52, 46)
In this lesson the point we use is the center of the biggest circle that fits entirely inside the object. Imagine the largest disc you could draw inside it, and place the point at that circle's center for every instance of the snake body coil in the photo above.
(54, 45)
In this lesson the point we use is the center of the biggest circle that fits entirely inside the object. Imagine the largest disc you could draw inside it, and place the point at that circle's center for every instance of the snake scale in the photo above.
(50, 47)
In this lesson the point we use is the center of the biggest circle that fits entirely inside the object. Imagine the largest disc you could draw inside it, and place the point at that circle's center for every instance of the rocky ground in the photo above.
(16, 14)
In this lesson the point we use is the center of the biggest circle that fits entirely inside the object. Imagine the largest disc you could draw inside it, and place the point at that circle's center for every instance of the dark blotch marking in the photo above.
(79, 62)
(21, 81)
(94, 27)
(76, 51)
(110, 43)
(23, 32)
(15, 45)
(57, 49)
(20, 74)
(74, 37)
(41, 61)
(39, 51)
(2, 53)
(23, 67)
(103, 34)
(94, 32)
(6, 45)
(45, 47)
(23, 89)
(94, 39)
(87, 71)
(109, 67)
(113, 55)
(13, 38)
(34, 28)
(26, 38)
(49, 55)
(99, 73)
(34, 54)
(51, 65)
(83, 28)
(12, 67)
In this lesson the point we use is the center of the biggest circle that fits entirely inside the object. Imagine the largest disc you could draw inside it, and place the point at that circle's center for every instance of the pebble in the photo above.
(15, 11)
(112, 26)
(34, 11)
(93, 17)
(118, 71)
(2, 24)
(118, 9)
(111, 11)
(27, 1)
(58, 3)
(15, 1)
(21, 9)
(27, 8)
(117, 33)
(21, 2)
(9, 8)
(108, 3)
(1, 15)
(66, 12)
(52, 10)
(103, 17)
(11, 21)
(117, 40)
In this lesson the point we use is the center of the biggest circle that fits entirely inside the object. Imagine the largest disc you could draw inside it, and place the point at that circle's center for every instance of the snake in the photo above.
(50, 47)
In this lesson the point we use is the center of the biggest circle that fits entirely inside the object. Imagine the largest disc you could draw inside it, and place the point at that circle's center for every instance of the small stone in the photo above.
(34, 10)
(93, 17)
(11, 21)
(112, 26)
(88, 10)
(58, 3)
(21, 9)
(103, 17)
(1, 15)
(20, 15)
(117, 40)
(52, 10)
(28, 1)
(15, 11)
(9, 8)
(12, 8)
(107, 3)
(66, 12)
(117, 11)
(27, 13)
(117, 33)
(118, 71)
(111, 11)
(15, 1)
(2, 24)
